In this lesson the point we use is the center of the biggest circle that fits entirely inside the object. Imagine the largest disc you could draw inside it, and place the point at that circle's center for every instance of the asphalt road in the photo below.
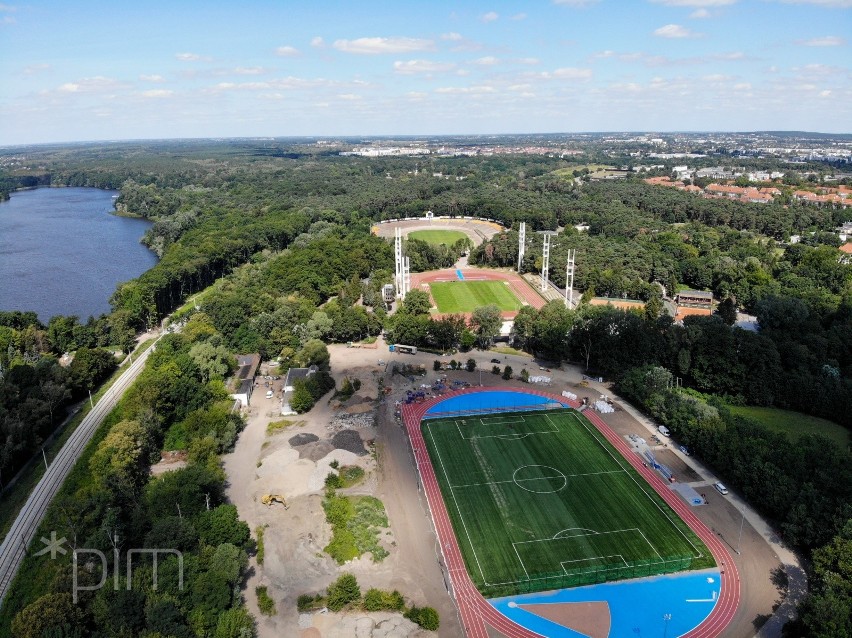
(14, 547)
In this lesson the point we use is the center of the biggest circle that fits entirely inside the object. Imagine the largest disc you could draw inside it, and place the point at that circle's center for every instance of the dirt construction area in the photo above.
(293, 462)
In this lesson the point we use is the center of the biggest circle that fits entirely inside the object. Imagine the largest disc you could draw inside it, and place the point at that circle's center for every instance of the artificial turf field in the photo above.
(437, 237)
(466, 296)
(540, 500)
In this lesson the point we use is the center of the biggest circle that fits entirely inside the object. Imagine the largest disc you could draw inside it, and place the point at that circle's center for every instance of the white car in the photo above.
(721, 489)
(269, 394)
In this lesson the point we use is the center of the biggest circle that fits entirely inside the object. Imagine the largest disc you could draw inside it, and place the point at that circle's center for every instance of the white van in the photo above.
(663, 430)
(269, 394)
(721, 489)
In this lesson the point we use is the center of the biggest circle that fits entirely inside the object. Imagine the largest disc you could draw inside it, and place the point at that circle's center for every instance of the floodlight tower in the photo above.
(545, 261)
(398, 279)
(522, 240)
(569, 279)
(406, 277)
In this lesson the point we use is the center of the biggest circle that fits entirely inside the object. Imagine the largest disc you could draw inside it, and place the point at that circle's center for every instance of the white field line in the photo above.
(698, 553)
(458, 509)
(567, 476)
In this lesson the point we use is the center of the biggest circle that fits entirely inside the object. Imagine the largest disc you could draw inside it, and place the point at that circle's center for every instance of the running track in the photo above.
(475, 611)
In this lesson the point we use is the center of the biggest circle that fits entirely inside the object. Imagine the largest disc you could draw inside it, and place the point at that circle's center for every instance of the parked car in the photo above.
(495, 360)
(684, 449)
(269, 394)
(721, 489)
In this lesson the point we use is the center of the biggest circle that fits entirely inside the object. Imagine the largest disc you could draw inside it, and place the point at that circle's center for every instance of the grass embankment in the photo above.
(794, 424)
(466, 296)
(437, 237)
(13, 499)
(276, 427)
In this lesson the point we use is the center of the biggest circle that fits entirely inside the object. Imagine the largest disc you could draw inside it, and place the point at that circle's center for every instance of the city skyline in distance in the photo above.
(91, 71)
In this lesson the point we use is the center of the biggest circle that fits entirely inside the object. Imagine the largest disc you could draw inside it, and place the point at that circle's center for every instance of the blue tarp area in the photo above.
(460, 275)
(485, 401)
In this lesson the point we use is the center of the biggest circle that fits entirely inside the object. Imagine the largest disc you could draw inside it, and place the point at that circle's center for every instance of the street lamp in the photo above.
(740, 537)
(667, 618)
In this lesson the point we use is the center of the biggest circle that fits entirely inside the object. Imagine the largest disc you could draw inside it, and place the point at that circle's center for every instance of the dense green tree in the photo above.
(342, 591)
(222, 525)
(486, 322)
(48, 612)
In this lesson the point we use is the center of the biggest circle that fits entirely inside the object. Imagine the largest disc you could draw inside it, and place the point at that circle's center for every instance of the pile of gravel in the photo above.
(349, 440)
(316, 450)
(302, 439)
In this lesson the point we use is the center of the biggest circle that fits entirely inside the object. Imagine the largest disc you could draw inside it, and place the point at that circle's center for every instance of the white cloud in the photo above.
(699, 14)
(529, 61)
(731, 55)
(491, 16)
(373, 46)
(286, 51)
(152, 78)
(351, 97)
(412, 67)
(7, 8)
(488, 60)
(519, 16)
(465, 90)
(824, 41)
(452, 36)
(575, 3)
(192, 57)
(825, 93)
(33, 69)
(96, 84)
(696, 3)
(572, 73)
(250, 70)
(317, 42)
(674, 31)
(157, 93)
(8, 20)
(831, 4)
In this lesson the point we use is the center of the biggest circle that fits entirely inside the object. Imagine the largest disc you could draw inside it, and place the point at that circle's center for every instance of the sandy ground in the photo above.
(477, 230)
(294, 538)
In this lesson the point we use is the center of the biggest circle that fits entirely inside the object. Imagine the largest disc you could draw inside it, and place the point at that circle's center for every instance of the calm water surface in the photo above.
(62, 252)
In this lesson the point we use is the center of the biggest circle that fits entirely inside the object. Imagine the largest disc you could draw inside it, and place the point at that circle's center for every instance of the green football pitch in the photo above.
(466, 296)
(437, 237)
(540, 500)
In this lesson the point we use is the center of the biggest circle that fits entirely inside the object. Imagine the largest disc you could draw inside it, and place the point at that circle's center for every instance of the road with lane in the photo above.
(14, 547)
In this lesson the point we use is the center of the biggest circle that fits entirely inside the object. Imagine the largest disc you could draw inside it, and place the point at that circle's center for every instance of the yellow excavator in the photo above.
(269, 499)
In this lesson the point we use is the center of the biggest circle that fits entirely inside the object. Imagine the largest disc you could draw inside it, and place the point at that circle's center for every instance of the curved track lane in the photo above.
(475, 611)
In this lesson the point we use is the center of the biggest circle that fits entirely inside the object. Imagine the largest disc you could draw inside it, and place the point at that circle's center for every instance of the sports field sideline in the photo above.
(540, 500)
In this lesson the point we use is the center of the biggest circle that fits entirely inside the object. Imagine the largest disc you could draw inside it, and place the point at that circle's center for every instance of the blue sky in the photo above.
(87, 70)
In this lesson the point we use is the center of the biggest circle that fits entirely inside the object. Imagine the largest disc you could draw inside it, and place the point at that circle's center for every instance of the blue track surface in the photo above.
(637, 607)
(460, 275)
(479, 401)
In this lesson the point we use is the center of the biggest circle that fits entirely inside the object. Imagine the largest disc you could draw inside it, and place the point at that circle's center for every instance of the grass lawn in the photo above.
(794, 424)
(437, 237)
(466, 296)
(540, 500)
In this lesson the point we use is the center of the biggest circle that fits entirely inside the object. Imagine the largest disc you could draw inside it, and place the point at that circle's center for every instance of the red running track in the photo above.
(475, 611)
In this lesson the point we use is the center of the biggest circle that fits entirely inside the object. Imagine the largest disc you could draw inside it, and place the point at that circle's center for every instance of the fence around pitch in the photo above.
(577, 577)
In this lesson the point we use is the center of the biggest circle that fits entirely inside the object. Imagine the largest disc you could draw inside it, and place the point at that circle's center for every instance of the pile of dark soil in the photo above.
(349, 440)
(302, 439)
(316, 450)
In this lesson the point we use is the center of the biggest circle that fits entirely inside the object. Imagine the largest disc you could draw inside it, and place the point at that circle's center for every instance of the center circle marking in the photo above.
(549, 489)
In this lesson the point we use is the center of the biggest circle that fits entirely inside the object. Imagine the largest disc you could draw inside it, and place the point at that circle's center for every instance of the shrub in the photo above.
(495, 370)
(507, 373)
(436, 365)
(470, 365)
(304, 602)
(453, 364)
(351, 474)
(525, 376)
(265, 602)
(334, 464)
(261, 551)
(379, 600)
(342, 592)
(356, 383)
(333, 481)
(426, 617)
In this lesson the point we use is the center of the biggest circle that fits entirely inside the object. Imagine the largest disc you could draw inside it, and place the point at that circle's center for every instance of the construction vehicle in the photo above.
(269, 499)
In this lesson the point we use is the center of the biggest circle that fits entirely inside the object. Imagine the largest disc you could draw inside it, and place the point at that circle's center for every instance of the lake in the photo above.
(62, 252)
